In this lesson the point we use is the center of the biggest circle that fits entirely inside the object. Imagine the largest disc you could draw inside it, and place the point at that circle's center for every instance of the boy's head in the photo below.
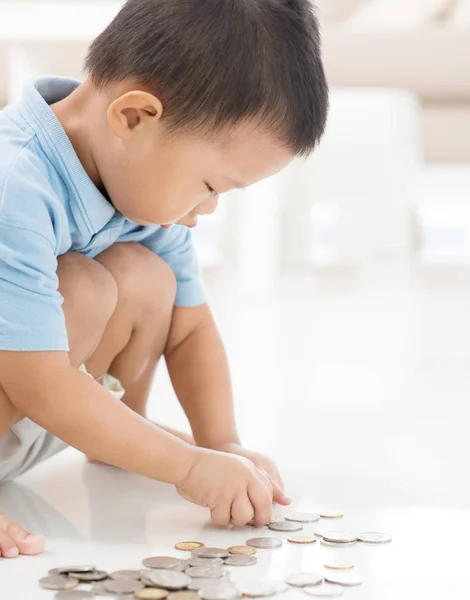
(202, 96)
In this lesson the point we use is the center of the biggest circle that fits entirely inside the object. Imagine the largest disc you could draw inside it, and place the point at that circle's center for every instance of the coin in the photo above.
(186, 595)
(99, 590)
(131, 574)
(267, 543)
(336, 564)
(171, 580)
(375, 538)
(91, 576)
(304, 579)
(241, 560)
(302, 539)
(319, 533)
(340, 537)
(76, 569)
(200, 582)
(123, 586)
(58, 582)
(324, 589)
(189, 546)
(285, 526)
(162, 562)
(258, 589)
(205, 572)
(331, 514)
(302, 517)
(344, 578)
(336, 544)
(73, 595)
(151, 594)
(242, 550)
(219, 592)
(182, 567)
(205, 562)
(210, 553)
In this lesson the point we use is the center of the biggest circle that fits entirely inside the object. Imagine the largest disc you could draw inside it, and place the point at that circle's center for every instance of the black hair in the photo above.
(216, 63)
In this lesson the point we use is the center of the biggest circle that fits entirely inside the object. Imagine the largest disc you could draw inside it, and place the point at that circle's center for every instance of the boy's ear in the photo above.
(132, 111)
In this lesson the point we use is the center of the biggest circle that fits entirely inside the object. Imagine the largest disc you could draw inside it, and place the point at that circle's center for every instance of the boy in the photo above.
(185, 100)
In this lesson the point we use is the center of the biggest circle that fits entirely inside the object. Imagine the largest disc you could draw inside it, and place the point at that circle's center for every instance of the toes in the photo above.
(25, 541)
(8, 548)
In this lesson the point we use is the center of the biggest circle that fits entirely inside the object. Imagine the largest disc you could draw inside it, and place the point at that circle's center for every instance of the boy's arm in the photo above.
(199, 372)
(78, 410)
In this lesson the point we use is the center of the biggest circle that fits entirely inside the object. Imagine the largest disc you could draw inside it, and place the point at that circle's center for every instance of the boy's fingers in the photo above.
(279, 497)
(261, 500)
(242, 510)
(221, 514)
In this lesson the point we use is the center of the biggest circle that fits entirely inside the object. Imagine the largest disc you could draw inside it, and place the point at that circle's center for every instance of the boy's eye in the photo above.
(211, 190)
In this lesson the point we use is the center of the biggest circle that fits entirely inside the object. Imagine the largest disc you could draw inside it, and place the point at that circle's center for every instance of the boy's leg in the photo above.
(124, 337)
(90, 298)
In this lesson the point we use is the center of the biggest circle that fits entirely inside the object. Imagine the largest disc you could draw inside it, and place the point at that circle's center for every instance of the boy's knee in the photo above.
(89, 290)
(144, 280)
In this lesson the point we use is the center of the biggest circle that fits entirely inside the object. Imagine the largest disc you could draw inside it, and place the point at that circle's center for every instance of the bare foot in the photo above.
(15, 540)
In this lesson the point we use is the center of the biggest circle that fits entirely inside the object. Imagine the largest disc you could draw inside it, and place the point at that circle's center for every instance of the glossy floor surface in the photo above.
(359, 386)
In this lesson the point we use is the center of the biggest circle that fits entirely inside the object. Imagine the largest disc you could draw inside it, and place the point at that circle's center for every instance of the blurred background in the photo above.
(342, 284)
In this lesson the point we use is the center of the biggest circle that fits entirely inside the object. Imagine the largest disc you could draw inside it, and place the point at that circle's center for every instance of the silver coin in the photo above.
(184, 566)
(210, 553)
(343, 578)
(200, 583)
(375, 538)
(148, 582)
(73, 569)
(92, 576)
(319, 532)
(99, 590)
(74, 595)
(241, 560)
(336, 544)
(162, 562)
(267, 543)
(58, 582)
(205, 562)
(304, 579)
(340, 537)
(123, 586)
(219, 592)
(324, 589)
(261, 589)
(302, 517)
(205, 572)
(170, 580)
(287, 526)
(130, 574)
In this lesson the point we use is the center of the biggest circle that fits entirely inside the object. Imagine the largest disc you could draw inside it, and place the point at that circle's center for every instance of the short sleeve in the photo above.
(175, 246)
(31, 315)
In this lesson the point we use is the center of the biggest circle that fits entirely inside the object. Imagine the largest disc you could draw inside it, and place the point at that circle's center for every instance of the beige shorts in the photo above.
(26, 444)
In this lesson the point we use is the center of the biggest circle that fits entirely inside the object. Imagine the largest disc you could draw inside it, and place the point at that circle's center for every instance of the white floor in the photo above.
(359, 386)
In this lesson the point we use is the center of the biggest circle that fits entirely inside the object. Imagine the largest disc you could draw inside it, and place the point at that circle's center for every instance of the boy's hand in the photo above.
(232, 487)
(264, 464)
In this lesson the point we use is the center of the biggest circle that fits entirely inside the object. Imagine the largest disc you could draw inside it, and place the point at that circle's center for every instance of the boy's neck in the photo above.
(75, 115)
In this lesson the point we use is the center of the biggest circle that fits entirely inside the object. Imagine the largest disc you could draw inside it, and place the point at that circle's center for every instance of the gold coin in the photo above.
(189, 546)
(302, 539)
(331, 514)
(242, 550)
(338, 565)
(184, 595)
(151, 594)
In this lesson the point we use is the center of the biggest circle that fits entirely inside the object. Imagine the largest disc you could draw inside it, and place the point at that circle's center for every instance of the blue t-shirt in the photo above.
(49, 206)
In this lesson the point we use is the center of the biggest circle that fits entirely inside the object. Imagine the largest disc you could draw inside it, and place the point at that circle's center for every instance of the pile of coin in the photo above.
(201, 576)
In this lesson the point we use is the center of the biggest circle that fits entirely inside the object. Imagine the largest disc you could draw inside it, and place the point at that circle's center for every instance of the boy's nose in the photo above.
(208, 206)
